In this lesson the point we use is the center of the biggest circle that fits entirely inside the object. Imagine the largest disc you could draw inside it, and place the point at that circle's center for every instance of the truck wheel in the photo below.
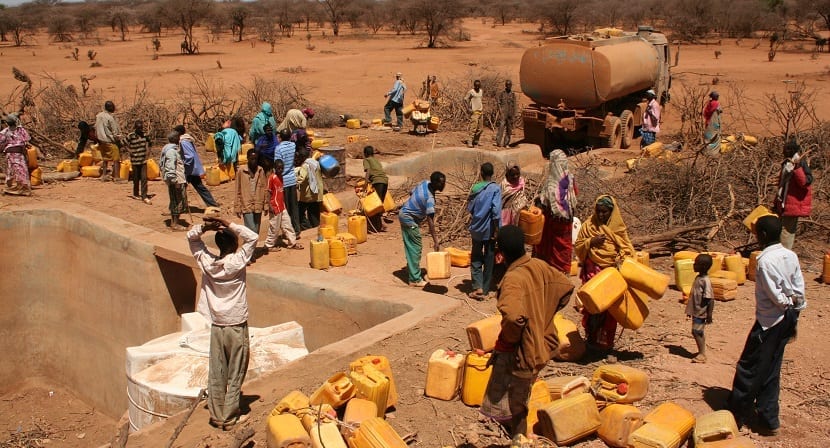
(626, 121)
(613, 140)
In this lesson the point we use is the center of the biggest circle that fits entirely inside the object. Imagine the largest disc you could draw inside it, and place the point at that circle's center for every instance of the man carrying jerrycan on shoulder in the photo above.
(530, 294)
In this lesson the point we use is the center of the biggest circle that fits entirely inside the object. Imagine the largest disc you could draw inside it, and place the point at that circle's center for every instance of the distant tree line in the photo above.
(438, 21)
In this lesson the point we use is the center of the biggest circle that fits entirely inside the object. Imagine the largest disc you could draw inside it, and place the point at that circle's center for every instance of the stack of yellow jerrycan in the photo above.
(330, 219)
(357, 411)
(459, 257)
(36, 177)
(331, 204)
(483, 333)
(643, 278)
(476, 376)
(734, 263)
(752, 218)
(375, 432)
(617, 422)
(668, 425)
(372, 385)
(380, 363)
(286, 431)
(444, 374)
(357, 227)
(337, 252)
(349, 240)
(532, 221)
(371, 204)
(336, 391)
(602, 290)
(569, 419)
(438, 265)
(571, 345)
(539, 398)
(567, 386)
(715, 426)
(619, 383)
(319, 251)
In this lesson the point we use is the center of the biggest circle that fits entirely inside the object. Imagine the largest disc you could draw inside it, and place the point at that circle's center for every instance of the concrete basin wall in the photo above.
(75, 295)
(79, 287)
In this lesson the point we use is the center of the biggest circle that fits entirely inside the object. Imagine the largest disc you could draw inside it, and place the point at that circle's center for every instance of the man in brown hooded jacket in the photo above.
(530, 294)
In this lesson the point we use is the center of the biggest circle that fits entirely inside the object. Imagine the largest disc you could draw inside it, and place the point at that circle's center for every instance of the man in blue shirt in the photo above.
(484, 205)
(419, 207)
(287, 151)
(193, 169)
(395, 101)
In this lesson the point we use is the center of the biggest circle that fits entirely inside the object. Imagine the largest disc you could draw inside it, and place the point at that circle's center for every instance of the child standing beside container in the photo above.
(701, 303)
(280, 221)
(138, 144)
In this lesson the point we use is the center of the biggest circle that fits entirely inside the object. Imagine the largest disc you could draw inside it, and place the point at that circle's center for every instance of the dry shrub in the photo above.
(452, 108)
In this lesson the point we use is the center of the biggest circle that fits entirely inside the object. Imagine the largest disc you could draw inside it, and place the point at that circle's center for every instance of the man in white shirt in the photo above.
(223, 300)
(779, 298)
(475, 107)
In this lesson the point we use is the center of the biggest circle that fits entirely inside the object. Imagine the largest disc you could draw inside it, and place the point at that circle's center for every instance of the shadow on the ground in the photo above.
(716, 396)
(679, 351)
(245, 402)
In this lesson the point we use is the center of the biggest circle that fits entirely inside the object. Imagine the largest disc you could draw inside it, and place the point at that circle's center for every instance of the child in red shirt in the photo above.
(280, 221)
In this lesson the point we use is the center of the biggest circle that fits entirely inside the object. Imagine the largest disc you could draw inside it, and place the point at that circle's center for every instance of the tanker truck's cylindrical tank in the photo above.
(587, 74)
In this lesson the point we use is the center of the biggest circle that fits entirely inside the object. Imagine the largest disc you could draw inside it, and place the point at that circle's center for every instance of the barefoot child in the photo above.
(251, 192)
(280, 221)
(701, 303)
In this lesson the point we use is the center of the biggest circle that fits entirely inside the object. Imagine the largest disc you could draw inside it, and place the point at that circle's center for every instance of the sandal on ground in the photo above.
(476, 295)
(296, 246)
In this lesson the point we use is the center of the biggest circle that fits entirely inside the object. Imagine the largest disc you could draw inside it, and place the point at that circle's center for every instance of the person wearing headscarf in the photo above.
(557, 199)
(265, 116)
(602, 242)
(513, 198)
(13, 142)
(712, 120)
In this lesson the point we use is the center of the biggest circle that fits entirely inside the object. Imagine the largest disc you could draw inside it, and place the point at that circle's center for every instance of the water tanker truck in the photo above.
(590, 89)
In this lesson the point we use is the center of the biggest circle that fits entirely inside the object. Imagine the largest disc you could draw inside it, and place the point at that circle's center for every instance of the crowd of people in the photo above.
(281, 179)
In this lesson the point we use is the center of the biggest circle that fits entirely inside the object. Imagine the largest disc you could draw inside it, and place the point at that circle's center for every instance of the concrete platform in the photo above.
(80, 286)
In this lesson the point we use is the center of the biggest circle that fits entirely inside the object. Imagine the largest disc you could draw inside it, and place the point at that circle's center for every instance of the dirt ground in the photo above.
(351, 74)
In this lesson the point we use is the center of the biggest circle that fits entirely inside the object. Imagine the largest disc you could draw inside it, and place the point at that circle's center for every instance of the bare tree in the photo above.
(151, 17)
(120, 20)
(60, 27)
(267, 30)
(374, 14)
(18, 26)
(437, 17)
(501, 11)
(286, 15)
(336, 12)
(239, 14)
(560, 15)
(308, 11)
(87, 19)
(186, 14)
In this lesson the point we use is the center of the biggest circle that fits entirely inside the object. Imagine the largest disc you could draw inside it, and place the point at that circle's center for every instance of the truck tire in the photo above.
(627, 123)
(613, 140)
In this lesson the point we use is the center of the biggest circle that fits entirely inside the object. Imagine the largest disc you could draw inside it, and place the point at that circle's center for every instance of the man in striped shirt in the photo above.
(138, 144)
(419, 207)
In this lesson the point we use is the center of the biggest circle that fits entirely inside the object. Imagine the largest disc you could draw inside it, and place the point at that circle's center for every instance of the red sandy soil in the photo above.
(351, 74)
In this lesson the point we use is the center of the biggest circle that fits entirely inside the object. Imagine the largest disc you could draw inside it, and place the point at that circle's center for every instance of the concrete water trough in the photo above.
(80, 286)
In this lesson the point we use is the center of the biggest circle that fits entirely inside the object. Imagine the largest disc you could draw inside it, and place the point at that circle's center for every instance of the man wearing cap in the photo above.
(395, 101)
(295, 119)
(651, 120)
